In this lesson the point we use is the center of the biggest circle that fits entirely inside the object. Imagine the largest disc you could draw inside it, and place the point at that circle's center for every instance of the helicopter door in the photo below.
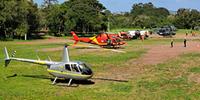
(72, 67)
(75, 68)
(67, 67)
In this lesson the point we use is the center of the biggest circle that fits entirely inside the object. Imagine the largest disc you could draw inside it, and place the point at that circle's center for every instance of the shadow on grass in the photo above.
(64, 82)
(60, 82)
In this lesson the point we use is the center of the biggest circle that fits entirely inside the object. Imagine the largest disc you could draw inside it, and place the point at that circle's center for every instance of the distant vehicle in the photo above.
(166, 31)
(134, 34)
(102, 39)
(124, 35)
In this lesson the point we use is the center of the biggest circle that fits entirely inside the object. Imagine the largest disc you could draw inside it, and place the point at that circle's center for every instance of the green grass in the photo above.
(183, 31)
(168, 80)
(25, 86)
(195, 69)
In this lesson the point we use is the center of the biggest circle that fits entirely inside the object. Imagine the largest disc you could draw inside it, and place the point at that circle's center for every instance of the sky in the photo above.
(126, 5)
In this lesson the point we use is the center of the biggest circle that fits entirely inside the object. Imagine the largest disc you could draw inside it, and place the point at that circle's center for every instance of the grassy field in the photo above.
(22, 87)
(170, 80)
(175, 79)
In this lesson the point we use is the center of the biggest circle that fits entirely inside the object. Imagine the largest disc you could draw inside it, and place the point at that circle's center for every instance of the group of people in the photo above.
(184, 43)
(192, 33)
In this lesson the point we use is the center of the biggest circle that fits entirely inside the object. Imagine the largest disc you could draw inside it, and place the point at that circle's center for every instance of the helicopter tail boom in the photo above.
(8, 59)
(75, 36)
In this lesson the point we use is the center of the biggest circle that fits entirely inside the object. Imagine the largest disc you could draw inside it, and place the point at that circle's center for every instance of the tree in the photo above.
(121, 21)
(79, 15)
(15, 17)
(187, 18)
(85, 14)
(195, 18)
(147, 15)
(33, 18)
(56, 18)
(182, 17)
(6, 17)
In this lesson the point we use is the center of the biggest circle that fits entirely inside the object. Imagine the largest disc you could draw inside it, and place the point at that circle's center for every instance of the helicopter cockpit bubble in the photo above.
(85, 69)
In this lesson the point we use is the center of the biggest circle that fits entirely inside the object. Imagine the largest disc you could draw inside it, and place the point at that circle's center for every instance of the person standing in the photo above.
(186, 34)
(185, 42)
(172, 43)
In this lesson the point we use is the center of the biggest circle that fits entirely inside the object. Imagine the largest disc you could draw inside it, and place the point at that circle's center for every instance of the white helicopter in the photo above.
(72, 70)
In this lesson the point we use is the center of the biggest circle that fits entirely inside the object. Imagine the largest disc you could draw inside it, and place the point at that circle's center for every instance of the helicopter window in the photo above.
(75, 68)
(67, 67)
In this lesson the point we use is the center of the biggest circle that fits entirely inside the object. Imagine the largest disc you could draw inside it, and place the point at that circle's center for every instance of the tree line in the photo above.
(146, 15)
(24, 17)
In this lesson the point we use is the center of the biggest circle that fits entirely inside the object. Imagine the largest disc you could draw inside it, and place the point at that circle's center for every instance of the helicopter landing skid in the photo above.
(54, 82)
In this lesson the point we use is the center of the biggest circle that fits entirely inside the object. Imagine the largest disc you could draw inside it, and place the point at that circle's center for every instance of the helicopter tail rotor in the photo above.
(7, 58)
